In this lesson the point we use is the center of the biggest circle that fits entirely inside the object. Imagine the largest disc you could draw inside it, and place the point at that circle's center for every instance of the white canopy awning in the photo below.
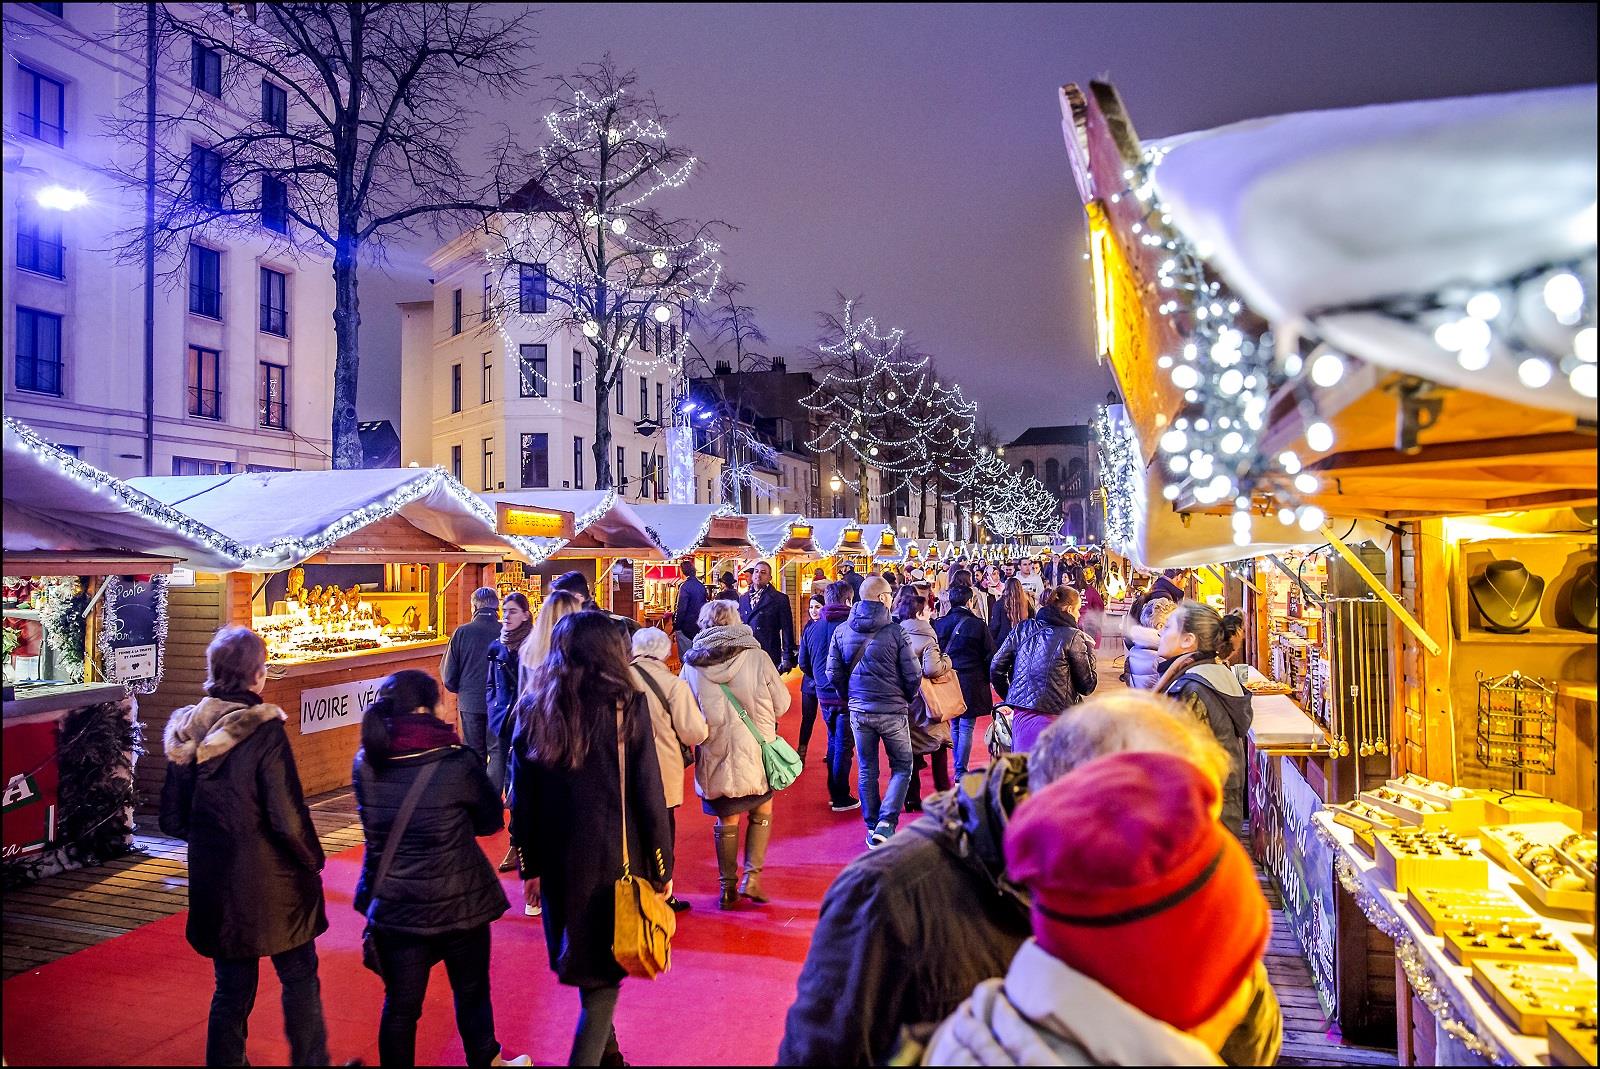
(829, 534)
(56, 503)
(283, 517)
(769, 533)
(679, 529)
(1320, 210)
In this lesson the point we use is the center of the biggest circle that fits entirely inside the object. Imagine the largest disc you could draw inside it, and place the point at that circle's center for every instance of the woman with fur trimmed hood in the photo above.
(255, 889)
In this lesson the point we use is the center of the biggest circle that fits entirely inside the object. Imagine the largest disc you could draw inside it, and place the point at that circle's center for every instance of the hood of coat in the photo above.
(200, 733)
(720, 645)
(868, 617)
(835, 614)
(1220, 678)
(972, 818)
(1054, 617)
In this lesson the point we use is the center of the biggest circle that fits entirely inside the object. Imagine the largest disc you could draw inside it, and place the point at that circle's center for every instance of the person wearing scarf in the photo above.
(504, 665)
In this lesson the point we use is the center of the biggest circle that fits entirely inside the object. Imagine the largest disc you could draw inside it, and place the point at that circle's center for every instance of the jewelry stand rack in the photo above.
(1516, 727)
(1356, 639)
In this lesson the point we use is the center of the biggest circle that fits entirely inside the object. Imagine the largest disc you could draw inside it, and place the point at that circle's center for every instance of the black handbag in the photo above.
(369, 944)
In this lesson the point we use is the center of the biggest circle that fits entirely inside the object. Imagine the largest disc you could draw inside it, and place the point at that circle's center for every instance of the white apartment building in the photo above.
(505, 402)
(243, 331)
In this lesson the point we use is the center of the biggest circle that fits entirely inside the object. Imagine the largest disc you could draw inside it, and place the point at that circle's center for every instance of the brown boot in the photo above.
(755, 856)
(726, 837)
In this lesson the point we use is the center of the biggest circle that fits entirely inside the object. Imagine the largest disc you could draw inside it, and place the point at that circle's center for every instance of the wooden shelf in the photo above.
(1534, 636)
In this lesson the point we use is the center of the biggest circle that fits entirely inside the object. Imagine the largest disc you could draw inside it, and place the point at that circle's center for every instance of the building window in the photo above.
(488, 377)
(658, 337)
(577, 463)
(204, 382)
(616, 392)
(455, 462)
(622, 467)
(39, 244)
(205, 69)
(534, 374)
(274, 105)
(535, 460)
(644, 397)
(488, 295)
(646, 473)
(455, 312)
(53, 9)
(274, 204)
(44, 107)
(674, 337)
(533, 289)
(660, 407)
(205, 281)
(196, 466)
(455, 387)
(577, 374)
(205, 177)
(274, 407)
(488, 463)
(38, 351)
(274, 302)
(644, 335)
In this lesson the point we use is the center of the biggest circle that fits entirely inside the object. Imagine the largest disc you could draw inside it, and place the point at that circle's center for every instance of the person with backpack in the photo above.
(255, 888)
(870, 663)
(1045, 666)
(675, 719)
(814, 646)
(426, 889)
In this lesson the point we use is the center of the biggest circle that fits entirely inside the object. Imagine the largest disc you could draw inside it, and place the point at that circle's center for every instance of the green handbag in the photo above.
(778, 759)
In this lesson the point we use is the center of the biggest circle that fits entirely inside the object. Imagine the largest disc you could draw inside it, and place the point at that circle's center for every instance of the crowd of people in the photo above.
(1112, 917)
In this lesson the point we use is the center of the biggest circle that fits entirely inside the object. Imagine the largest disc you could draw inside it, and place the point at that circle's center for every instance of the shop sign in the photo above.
(852, 537)
(338, 706)
(800, 531)
(887, 541)
(526, 522)
(1284, 840)
(32, 776)
(727, 528)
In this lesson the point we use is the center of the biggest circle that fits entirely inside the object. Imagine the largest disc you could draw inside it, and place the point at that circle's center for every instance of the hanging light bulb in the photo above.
(1484, 306)
(1327, 369)
(1286, 516)
(1582, 379)
(1174, 441)
(1289, 462)
(1231, 382)
(1241, 521)
(1185, 377)
(873, 450)
(1306, 483)
(1179, 463)
(659, 260)
(662, 313)
(591, 220)
(1473, 359)
(1170, 491)
(1583, 345)
(591, 329)
(1242, 503)
(1241, 537)
(1202, 467)
(1292, 364)
(1221, 487)
(619, 226)
(1232, 442)
(1563, 295)
(1319, 437)
(890, 395)
(1535, 372)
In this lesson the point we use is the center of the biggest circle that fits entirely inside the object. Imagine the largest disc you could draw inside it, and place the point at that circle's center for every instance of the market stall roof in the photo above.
(284, 517)
(872, 537)
(603, 524)
(829, 534)
(56, 504)
(683, 529)
(774, 533)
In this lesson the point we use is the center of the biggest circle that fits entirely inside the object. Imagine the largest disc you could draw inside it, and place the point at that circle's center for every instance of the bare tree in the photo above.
(608, 264)
(732, 337)
(355, 141)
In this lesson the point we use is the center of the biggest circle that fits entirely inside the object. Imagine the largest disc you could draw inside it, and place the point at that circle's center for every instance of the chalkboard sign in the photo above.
(133, 631)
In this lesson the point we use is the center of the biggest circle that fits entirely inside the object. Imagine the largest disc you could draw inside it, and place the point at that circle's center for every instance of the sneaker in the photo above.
(530, 911)
(878, 837)
(845, 807)
(521, 1059)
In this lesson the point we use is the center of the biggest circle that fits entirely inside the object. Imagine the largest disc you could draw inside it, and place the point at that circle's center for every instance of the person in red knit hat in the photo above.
(1148, 926)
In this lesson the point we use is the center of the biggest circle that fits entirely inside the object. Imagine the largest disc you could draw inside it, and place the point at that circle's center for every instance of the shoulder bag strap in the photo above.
(622, 787)
(738, 708)
(407, 807)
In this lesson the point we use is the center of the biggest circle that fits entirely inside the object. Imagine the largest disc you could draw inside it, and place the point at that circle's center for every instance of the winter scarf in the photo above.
(713, 645)
(199, 733)
(413, 733)
(513, 640)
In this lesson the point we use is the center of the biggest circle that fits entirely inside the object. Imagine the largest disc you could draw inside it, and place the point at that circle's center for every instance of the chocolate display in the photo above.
(1507, 596)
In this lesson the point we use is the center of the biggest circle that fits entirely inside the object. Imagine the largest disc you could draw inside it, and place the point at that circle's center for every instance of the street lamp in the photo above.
(60, 198)
(835, 485)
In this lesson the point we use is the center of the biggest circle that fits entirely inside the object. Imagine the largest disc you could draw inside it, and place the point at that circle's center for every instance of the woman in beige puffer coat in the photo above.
(728, 775)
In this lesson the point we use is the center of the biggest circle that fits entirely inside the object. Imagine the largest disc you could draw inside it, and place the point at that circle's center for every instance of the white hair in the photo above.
(651, 642)
(1120, 722)
(719, 613)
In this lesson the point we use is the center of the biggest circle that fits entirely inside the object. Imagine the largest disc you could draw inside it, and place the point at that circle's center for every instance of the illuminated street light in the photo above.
(60, 198)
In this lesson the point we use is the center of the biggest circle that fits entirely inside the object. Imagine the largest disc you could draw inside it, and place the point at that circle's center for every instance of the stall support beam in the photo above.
(1382, 591)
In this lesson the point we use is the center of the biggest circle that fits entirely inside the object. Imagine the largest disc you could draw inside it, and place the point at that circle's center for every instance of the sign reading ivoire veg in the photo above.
(337, 706)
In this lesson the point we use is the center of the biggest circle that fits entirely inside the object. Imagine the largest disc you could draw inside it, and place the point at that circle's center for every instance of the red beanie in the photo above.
(1137, 886)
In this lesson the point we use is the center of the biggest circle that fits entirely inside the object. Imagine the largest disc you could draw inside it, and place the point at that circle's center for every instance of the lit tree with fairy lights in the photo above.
(582, 247)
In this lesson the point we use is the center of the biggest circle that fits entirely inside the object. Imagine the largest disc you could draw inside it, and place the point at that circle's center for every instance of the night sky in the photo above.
(913, 153)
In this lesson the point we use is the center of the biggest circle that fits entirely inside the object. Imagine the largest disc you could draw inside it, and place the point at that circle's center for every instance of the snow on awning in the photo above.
(1323, 210)
(680, 529)
(829, 534)
(770, 534)
(56, 503)
(284, 517)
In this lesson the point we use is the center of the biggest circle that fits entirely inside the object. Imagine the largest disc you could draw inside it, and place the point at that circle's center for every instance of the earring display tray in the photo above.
(1441, 907)
(1572, 1042)
(1416, 811)
(1531, 996)
(1410, 857)
(1531, 943)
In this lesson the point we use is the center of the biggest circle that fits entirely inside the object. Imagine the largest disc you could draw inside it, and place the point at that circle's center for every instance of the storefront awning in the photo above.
(771, 534)
(683, 529)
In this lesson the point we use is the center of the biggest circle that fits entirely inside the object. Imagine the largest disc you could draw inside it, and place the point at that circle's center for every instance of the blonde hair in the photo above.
(536, 647)
(719, 612)
(1157, 611)
(1125, 721)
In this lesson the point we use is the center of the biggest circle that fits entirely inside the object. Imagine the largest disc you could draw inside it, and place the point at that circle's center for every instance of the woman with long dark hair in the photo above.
(580, 719)
(1008, 610)
(438, 894)
(505, 661)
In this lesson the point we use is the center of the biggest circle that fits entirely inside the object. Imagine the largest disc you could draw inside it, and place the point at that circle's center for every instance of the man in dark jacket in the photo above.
(814, 646)
(966, 640)
(870, 663)
(578, 583)
(848, 573)
(692, 596)
(766, 610)
(906, 932)
(465, 668)
(1054, 666)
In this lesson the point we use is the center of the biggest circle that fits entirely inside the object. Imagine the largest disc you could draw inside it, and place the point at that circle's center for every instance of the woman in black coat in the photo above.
(1008, 610)
(439, 895)
(255, 884)
(568, 814)
(970, 646)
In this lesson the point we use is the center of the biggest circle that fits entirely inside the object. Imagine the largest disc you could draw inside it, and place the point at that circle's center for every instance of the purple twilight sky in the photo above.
(913, 154)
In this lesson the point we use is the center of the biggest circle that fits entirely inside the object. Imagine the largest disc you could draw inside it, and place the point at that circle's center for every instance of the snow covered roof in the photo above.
(1323, 210)
(56, 503)
(829, 534)
(283, 517)
(680, 529)
(769, 533)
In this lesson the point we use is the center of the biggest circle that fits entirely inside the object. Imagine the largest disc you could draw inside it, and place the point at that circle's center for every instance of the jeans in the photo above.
(841, 753)
(684, 642)
(808, 716)
(962, 728)
(500, 753)
(474, 731)
(235, 997)
(407, 962)
(597, 1034)
(894, 731)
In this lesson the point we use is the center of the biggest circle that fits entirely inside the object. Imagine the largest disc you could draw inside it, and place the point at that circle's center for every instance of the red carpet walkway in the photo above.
(142, 998)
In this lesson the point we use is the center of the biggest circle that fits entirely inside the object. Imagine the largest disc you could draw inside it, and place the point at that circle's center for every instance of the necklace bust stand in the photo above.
(1507, 596)
(1585, 595)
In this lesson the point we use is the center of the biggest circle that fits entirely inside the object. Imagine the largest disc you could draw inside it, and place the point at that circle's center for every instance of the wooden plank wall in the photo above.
(1422, 724)
(193, 616)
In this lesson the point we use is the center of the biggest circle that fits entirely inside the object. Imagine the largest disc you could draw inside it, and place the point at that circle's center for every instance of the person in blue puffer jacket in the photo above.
(870, 663)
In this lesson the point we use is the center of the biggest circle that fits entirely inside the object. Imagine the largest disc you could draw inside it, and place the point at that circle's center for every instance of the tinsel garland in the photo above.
(97, 749)
(1434, 993)
(118, 589)
(62, 617)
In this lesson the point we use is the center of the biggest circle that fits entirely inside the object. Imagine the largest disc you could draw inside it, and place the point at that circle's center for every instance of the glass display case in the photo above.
(320, 611)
